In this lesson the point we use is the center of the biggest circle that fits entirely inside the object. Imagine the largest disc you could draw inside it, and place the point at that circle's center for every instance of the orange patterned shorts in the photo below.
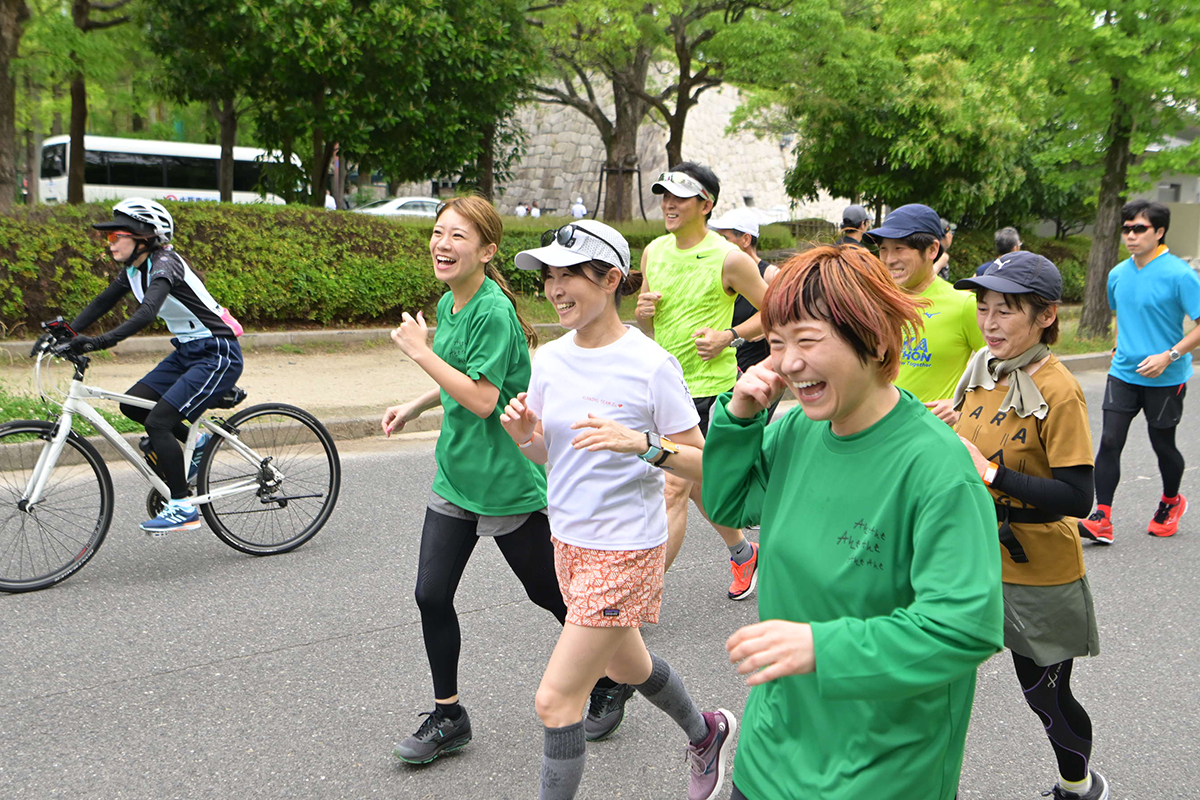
(610, 588)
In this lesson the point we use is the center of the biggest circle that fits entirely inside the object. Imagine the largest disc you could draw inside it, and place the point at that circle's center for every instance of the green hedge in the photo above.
(972, 248)
(272, 266)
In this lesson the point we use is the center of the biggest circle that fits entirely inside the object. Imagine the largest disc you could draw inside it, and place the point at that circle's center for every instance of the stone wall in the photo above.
(564, 156)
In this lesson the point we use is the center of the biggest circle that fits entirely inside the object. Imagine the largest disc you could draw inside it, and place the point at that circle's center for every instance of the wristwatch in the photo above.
(738, 341)
(1174, 355)
(658, 449)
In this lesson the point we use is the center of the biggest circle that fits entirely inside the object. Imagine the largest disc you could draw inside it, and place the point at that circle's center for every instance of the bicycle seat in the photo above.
(231, 398)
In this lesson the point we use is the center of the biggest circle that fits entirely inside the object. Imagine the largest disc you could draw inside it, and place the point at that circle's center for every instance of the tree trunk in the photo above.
(13, 14)
(485, 164)
(33, 143)
(77, 156)
(1095, 317)
(621, 162)
(227, 119)
(675, 127)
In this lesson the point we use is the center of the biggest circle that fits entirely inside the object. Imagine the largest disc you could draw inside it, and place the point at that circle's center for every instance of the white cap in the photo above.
(742, 220)
(588, 240)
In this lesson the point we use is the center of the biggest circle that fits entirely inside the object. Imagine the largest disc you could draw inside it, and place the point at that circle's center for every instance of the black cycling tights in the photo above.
(1108, 457)
(1048, 693)
(446, 546)
(164, 425)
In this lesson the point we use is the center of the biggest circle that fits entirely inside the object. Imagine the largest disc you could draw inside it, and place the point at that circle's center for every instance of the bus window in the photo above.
(187, 172)
(246, 175)
(134, 169)
(54, 161)
(95, 170)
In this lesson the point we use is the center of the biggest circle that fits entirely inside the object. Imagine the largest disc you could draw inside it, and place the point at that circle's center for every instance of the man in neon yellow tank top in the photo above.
(931, 362)
(691, 279)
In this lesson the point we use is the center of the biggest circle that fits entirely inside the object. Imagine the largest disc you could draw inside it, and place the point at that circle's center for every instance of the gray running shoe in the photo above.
(709, 761)
(1099, 790)
(606, 709)
(436, 735)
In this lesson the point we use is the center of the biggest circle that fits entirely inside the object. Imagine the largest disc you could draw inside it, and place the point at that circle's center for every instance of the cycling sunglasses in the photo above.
(1138, 229)
(565, 236)
(687, 182)
(113, 236)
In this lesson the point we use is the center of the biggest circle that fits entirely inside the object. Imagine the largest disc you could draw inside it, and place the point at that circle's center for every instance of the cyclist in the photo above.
(207, 360)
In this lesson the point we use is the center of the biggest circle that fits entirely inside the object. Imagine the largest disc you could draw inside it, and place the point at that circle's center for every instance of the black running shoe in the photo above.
(436, 735)
(606, 709)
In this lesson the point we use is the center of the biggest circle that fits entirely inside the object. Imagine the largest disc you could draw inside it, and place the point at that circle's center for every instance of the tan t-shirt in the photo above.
(1035, 447)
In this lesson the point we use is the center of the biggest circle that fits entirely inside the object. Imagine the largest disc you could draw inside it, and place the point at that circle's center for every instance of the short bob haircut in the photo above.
(849, 288)
(1032, 304)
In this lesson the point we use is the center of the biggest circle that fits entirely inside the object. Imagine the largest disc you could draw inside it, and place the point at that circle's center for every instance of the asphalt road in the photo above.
(179, 668)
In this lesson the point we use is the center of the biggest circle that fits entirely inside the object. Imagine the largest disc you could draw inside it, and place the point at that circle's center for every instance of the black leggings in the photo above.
(446, 546)
(1048, 692)
(164, 425)
(1108, 457)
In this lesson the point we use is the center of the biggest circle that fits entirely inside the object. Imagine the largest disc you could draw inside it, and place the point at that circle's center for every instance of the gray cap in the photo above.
(1021, 272)
(854, 216)
(587, 240)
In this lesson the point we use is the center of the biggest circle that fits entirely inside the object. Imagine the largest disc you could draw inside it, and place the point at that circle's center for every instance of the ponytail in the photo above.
(498, 278)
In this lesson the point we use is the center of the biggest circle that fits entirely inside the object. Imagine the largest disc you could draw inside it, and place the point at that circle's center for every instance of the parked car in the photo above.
(402, 206)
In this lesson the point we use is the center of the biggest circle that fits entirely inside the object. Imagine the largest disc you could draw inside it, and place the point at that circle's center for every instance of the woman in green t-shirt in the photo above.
(483, 486)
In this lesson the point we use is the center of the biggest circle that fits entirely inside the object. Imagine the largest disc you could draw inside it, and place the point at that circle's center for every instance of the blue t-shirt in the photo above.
(1150, 303)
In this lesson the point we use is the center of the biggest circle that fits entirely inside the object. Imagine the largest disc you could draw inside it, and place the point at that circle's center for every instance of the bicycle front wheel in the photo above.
(296, 474)
(43, 544)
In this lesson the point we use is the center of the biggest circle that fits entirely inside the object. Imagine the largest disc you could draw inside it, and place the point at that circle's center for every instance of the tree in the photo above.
(1122, 77)
(81, 15)
(619, 45)
(13, 15)
(209, 54)
(890, 104)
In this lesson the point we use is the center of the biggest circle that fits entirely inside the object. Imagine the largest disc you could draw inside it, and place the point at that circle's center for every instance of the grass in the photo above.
(1070, 343)
(19, 406)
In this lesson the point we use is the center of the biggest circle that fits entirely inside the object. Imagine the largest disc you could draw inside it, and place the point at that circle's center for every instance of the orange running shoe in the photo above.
(745, 576)
(1166, 519)
(1097, 527)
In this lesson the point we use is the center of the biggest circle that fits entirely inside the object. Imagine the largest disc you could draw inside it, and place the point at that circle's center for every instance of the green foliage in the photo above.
(15, 405)
(270, 265)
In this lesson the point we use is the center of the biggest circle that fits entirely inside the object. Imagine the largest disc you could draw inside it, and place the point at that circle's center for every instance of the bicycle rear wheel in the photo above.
(298, 478)
(47, 543)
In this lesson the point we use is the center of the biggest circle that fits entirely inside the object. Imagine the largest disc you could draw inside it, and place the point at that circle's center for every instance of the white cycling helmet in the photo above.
(143, 217)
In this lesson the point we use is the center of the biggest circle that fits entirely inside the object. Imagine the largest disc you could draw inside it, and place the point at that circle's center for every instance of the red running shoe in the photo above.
(745, 576)
(1097, 527)
(1166, 519)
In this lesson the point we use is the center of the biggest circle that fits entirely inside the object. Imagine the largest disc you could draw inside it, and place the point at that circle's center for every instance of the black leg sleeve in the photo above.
(139, 415)
(446, 546)
(1108, 457)
(1068, 726)
(161, 423)
(530, 555)
(1170, 460)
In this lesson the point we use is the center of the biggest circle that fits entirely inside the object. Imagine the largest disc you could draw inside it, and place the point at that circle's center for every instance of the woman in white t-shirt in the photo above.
(601, 403)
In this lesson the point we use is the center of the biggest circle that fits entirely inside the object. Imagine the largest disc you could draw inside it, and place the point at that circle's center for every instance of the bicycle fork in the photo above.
(46, 462)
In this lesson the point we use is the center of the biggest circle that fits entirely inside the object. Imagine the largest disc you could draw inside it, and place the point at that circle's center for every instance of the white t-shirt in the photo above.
(579, 211)
(535, 212)
(522, 211)
(603, 500)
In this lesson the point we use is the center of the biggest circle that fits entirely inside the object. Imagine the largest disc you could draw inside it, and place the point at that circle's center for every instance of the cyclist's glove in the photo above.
(86, 344)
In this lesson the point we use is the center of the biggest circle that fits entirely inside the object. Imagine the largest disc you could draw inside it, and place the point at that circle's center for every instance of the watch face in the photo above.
(1174, 355)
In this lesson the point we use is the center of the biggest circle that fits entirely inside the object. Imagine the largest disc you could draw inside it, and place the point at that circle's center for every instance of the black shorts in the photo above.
(1163, 404)
(704, 409)
(194, 376)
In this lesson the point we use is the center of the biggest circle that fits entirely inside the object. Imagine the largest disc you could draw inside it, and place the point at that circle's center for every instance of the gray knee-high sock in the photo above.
(664, 688)
(562, 762)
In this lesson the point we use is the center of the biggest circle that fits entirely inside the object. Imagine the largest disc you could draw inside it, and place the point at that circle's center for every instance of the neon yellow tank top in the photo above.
(693, 296)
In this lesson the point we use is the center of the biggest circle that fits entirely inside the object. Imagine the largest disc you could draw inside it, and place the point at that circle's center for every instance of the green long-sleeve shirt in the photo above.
(885, 542)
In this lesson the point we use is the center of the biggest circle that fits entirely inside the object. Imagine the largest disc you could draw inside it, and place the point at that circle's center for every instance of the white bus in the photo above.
(119, 168)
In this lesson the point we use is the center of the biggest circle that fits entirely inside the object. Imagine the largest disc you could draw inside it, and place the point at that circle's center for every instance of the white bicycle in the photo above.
(267, 481)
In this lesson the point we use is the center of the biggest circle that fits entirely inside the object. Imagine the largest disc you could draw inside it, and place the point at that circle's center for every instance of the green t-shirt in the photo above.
(479, 467)
(931, 364)
(898, 577)
(692, 284)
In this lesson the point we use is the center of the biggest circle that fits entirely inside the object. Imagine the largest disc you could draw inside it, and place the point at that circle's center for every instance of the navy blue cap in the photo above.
(1021, 272)
(907, 220)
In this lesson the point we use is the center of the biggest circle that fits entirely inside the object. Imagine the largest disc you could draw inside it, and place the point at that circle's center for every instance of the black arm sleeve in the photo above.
(103, 303)
(1068, 493)
(152, 301)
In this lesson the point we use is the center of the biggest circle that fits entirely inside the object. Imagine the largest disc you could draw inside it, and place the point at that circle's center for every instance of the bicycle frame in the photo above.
(77, 404)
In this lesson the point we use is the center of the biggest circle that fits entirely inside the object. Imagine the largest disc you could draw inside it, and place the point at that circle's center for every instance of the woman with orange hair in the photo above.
(879, 594)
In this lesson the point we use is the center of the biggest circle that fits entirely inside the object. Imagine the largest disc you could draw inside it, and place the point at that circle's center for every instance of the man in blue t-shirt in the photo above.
(1150, 292)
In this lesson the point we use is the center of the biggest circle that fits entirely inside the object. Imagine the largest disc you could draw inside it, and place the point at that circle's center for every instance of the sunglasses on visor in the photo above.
(565, 236)
(686, 181)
